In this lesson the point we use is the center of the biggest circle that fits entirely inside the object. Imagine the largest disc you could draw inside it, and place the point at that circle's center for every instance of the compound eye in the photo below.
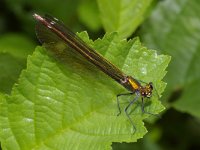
(151, 85)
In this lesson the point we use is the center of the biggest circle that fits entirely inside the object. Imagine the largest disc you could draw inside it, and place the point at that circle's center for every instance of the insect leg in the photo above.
(126, 111)
(143, 110)
(118, 105)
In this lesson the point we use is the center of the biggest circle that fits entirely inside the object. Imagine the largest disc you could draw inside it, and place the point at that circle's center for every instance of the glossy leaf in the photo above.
(175, 27)
(123, 16)
(66, 103)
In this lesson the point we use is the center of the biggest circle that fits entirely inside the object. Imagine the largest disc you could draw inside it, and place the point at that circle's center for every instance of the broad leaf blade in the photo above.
(123, 16)
(70, 104)
(89, 15)
(14, 49)
(17, 45)
(175, 27)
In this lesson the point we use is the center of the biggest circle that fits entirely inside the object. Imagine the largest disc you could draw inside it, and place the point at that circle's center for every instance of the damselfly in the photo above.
(50, 24)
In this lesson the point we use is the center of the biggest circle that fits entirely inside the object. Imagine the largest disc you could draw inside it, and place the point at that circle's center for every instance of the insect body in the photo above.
(48, 24)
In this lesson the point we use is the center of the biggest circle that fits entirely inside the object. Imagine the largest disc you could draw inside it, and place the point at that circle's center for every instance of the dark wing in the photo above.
(52, 32)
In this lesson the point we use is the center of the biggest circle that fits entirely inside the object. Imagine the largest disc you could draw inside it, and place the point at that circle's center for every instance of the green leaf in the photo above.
(10, 71)
(17, 45)
(89, 14)
(14, 48)
(123, 16)
(174, 28)
(149, 142)
(69, 104)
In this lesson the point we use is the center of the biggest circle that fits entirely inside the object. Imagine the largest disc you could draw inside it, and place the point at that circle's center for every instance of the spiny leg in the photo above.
(126, 111)
(118, 106)
(143, 111)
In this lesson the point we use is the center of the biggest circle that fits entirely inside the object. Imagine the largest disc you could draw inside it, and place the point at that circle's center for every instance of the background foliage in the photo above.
(171, 26)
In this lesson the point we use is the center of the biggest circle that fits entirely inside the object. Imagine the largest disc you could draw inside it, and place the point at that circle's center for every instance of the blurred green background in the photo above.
(171, 26)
